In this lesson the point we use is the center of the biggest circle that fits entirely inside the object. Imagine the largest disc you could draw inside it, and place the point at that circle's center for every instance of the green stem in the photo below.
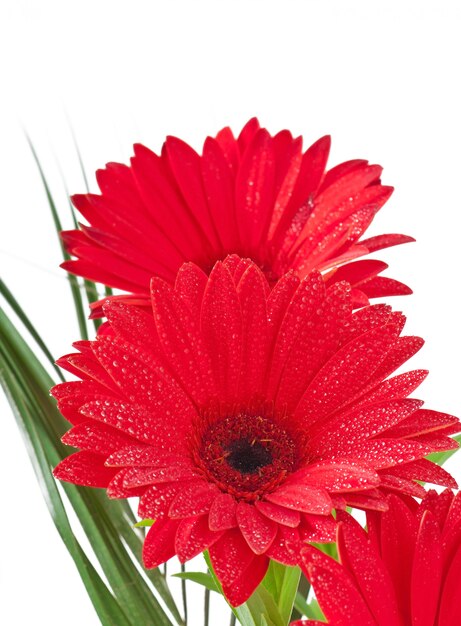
(207, 607)
(184, 593)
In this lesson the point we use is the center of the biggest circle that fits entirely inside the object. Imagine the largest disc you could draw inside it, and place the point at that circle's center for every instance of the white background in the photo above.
(381, 77)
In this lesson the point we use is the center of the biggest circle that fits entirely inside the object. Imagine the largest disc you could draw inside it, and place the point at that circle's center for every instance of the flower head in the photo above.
(257, 196)
(242, 415)
(405, 572)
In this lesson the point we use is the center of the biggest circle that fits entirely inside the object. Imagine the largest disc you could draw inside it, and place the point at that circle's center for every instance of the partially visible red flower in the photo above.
(405, 572)
(257, 196)
(242, 415)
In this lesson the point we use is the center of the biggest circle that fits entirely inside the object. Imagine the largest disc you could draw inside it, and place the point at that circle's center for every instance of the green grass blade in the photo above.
(117, 513)
(95, 512)
(14, 304)
(281, 581)
(79, 156)
(73, 281)
(301, 606)
(107, 608)
(201, 578)
(90, 287)
(303, 591)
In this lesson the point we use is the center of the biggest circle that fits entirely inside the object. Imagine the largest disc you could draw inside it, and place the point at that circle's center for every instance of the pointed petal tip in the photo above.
(139, 146)
(67, 265)
(54, 390)
(58, 473)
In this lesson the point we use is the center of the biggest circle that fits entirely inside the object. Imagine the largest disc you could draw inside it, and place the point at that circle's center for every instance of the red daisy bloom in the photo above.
(241, 416)
(257, 196)
(405, 572)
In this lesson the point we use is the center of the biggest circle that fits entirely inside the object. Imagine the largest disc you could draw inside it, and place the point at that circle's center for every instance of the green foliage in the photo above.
(130, 597)
(106, 523)
(201, 578)
(144, 523)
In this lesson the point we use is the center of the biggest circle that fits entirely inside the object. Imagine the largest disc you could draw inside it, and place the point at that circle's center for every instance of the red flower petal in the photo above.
(381, 286)
(451, 594)
(218, 184)
(385, 241)
(279, 514)
(142, 382)
(252, 296)
(181, 341)
(258, 530)
(363, 562)
(116, 488)
(169, 214)
(335, 590)
(230, 557)
(132, 324)
(138, 422)
(289, 180)
(344, 432)
(156, 500)
(302, 498)
(194, 499)
(345, 373)
(139, 476)
(427, 573)
(242, 587)
(237, 567)
(85, 468)
(313, 343)
(96, 437)
(193, 537)
(185, 164)
(382, 453)
(285, 547)
(159, 543)
(397, 387)
(298, 309)
(425, 471)
(222, 512)
(222, 326)
(358, 272)
(337, 477)
(190, 285)
(141, 456)
(254, 189)
(398, 533)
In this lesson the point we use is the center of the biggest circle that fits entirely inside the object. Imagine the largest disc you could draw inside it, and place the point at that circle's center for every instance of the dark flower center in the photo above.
(246, 455)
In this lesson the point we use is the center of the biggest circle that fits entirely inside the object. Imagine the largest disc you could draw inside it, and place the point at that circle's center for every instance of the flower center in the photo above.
(246, 455)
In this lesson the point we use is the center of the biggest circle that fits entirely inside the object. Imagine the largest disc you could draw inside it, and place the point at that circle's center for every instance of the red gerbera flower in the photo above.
(257, 196)
(405, 572)
(241, 416)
